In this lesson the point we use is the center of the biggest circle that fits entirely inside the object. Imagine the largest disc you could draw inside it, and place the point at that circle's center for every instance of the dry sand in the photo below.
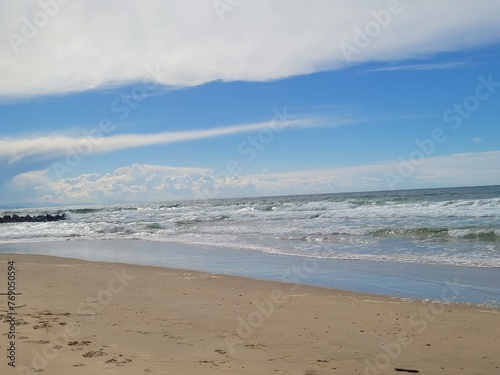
(77, 317)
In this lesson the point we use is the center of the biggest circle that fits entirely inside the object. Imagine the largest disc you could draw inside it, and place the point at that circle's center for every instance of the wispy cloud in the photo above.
(87, 45)
(53, 146)
(441, 66)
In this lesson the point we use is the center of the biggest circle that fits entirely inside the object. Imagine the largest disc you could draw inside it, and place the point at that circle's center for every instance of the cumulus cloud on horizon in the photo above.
(130, 183)
(87, 44)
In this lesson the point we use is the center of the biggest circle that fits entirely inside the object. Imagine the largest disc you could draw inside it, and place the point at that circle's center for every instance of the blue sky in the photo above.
(294, 116)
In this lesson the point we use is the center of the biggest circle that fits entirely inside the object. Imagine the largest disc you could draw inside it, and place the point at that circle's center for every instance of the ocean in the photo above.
(411, 244)
(452, 226)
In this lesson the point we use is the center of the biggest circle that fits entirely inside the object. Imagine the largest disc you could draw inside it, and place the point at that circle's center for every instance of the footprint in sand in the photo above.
(94, 353)
(78, 343)
(119, 361)
(42, 325)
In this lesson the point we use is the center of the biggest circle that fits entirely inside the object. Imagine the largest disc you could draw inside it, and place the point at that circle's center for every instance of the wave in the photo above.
(450, 225)
(488, 235)
(105, 210)
(153, 226)
(188, 221)
(169, 206)
(83, 211)
(477, 234)
(411, 232)
(124, 209)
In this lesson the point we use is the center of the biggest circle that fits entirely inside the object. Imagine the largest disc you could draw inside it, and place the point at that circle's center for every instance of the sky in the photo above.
(136, 101)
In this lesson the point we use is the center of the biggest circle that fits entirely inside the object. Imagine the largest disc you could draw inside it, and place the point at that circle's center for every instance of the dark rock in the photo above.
(29, 218)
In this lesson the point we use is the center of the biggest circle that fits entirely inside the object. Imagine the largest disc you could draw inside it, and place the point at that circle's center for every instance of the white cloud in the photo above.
(31, 179)
(90, 44)
(477, 139)
(463, 169)
(129, 182)
(442, 66)
(148, 182)
(53, 146)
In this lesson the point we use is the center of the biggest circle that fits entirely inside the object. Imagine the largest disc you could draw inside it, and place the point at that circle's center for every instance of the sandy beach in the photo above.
(79, 317)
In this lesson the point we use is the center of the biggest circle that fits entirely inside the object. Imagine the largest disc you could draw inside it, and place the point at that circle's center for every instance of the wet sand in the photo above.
(79, 317)
(476, 285)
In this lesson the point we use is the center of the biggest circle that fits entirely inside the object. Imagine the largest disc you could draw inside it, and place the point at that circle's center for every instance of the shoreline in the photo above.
(292, 285)
(81, 317)
(473, 285)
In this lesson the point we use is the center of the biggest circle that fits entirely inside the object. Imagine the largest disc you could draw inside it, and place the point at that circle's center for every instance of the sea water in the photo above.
(453, 226)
